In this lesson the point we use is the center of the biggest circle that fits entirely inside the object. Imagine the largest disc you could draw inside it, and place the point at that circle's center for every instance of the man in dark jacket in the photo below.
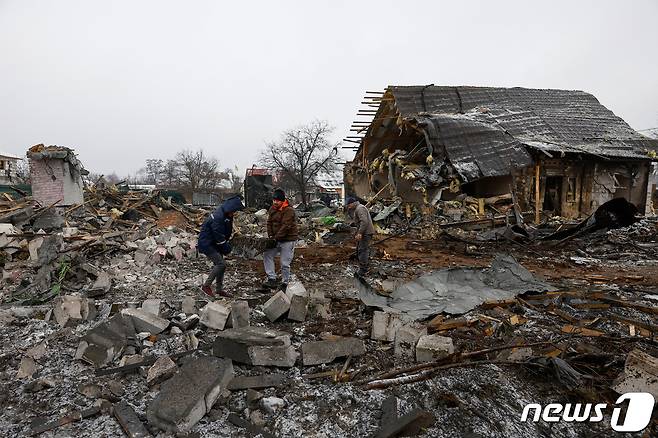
(364, 231)
(282, 232)
(214, 242)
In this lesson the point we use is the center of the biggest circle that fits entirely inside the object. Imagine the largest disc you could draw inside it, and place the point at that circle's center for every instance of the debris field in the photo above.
(104, 330)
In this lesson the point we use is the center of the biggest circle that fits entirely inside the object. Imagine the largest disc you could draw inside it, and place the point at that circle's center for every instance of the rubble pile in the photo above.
(45, 250)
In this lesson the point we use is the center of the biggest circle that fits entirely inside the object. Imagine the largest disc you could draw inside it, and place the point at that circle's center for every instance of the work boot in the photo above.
(271, 284)
(208, 291)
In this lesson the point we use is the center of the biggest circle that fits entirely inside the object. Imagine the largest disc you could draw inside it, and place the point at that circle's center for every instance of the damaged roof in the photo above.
(485, 130)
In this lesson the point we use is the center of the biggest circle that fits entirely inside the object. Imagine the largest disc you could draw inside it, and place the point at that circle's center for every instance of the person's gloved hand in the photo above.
(225, 248)
(270, 244)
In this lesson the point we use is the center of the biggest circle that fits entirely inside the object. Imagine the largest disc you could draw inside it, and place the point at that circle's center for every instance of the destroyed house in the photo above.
(557, 151)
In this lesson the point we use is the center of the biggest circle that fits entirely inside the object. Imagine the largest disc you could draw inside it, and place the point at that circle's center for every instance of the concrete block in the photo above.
(276, 306)
(239, 314)
(256, 346)
(145, 321)
(385, 325)
(433, 347)
(152, 306)
(161, 370)
(188, 306)
(190, 394)
(105, 342)
(214, 315)
(272, 404)
(318, 352)
(406, 338)
(298, 296)
(71, 309)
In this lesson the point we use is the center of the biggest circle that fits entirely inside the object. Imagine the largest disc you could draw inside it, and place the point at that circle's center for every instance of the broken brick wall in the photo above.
(52, 181)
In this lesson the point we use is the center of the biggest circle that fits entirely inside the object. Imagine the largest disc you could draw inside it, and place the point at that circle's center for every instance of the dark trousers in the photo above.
(363, 252)
(217, 271)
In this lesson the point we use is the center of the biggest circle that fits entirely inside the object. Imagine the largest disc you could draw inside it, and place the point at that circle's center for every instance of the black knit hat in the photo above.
(279, 195)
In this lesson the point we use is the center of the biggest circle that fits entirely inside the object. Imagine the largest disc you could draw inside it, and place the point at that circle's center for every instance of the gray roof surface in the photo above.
(485, 129)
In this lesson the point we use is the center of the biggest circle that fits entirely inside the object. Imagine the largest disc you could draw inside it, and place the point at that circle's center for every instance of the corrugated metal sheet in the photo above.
(551, 120)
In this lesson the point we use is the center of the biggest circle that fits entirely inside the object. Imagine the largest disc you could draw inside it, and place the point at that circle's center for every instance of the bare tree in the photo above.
(301, 155)
(170, 173)
(234, 178)
(153, 171)
(197, 171)
(22, 171)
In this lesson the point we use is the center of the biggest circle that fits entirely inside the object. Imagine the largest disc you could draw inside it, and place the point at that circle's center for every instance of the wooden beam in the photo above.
(537, 210)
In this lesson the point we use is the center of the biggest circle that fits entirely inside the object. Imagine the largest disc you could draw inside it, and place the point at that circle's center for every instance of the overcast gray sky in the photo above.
(123, 81)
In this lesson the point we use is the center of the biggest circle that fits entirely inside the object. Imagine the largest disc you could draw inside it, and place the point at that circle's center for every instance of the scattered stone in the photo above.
(49, 220)
(516, 354)
(276, 306)
(38, 351)
(141, 257)
(385, 325)
(190, 394)
(130, 359)
(71, 309)
(188, 306)
(240, 314)
(146, 322)
(116, 388)
(161, 370)
(257, 382)
(433, 347)
(256, 346)
(90, 390)
(40, 384)
(253, 396)
(253, 428)
(214, 315)
(27, 368)
(175, 331)
(102, 285)
(406, 338)
(129, 421)
(188, 323)
(318, 352)
(152, 306)
(272, 404)
(256, 417)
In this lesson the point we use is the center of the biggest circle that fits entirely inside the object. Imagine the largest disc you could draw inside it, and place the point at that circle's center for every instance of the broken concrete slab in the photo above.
(407, 337)
(44, 250)
(102, 285)
(161, 370)
(129, 421)
(152, 306)
(71, 309)
(188, 305)
(433, 347)
(257, 382)
(214, 315)
(145, 321)
(190, 394)
(455, 290)
(319, 352)
(385, 325)
(239, 314)
(105, 342)
(276, 306)
(256, 346)
(640, 374)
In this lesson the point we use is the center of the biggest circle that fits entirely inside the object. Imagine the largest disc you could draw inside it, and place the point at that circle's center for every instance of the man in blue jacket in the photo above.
(214, 242)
